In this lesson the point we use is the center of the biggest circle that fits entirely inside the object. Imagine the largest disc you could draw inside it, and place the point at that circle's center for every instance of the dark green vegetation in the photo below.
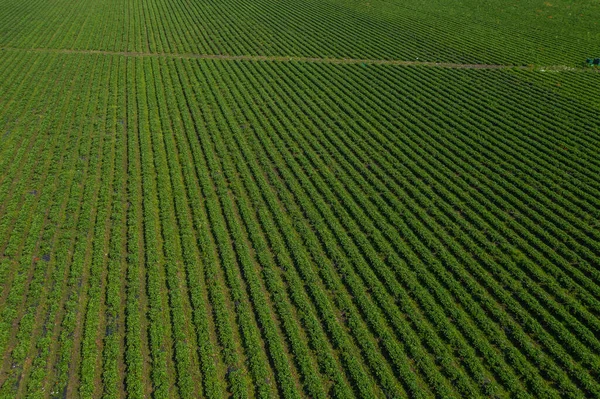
(518, 32)
(181, 227)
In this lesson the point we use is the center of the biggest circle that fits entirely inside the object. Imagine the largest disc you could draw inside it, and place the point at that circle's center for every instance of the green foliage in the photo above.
(179, 227)
(554, 32)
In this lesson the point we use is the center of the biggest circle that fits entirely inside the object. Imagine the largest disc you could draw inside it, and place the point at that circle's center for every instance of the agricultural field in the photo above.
(308, 198)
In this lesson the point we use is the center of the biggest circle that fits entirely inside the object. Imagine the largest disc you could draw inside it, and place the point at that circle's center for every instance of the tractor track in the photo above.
(264, 58)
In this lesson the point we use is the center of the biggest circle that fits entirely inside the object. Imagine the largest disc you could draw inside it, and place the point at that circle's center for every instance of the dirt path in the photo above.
(303, 59)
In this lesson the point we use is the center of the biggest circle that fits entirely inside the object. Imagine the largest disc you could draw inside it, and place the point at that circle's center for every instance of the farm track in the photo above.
(255, 58)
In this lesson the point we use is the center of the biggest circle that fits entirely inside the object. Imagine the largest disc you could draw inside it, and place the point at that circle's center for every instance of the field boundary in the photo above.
(258, 58)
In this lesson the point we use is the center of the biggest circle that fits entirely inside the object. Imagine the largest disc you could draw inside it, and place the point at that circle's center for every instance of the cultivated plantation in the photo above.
(299, 198)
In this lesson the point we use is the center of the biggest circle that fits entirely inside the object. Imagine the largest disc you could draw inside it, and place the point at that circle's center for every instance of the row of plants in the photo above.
(159, 325)
(137, 373)
(113, 365)
(93, 313)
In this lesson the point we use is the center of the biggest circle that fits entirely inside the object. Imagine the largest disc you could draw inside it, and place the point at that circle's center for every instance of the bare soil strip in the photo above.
(555, 68)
